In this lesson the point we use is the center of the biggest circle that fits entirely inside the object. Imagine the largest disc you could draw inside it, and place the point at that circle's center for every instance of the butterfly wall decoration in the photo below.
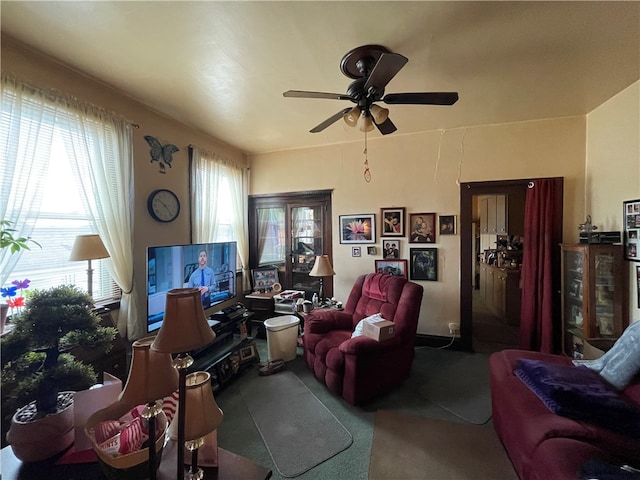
(163, 154)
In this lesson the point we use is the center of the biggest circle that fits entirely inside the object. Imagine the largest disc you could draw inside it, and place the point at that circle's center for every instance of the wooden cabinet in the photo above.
(502, 214)
(595, 305)
(288, 231)
(500, 291)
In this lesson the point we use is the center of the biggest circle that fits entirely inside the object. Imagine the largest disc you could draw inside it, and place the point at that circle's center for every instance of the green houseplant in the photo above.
(14, 244)
(37, 360)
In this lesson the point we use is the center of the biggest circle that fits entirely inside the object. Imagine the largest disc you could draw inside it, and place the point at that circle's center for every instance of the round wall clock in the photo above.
(163, 205)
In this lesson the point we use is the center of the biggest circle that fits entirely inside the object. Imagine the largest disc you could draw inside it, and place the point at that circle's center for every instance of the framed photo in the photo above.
(372, 251)
(422, 228)
(638, 284)
(358, 228)
(356, 252)
(424, 263)
(391, 249)
(248, 352)
(392, 222)
(397, 268)
(447, 224)
(631, 220)
(264, 279)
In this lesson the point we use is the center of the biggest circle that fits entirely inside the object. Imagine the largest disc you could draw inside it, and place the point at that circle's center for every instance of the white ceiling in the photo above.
(222, 67)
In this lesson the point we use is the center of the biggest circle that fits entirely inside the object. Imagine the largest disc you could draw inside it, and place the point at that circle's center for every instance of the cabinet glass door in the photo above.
(572, 290)
(306, 243)
(271, 236)
(604, 295)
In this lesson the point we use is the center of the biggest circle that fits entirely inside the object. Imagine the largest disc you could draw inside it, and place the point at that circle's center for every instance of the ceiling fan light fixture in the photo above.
(379, 113)
(365, 124)
(352, 116)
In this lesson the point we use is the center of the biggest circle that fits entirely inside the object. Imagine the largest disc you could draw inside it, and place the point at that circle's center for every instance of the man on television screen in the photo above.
(202, 277)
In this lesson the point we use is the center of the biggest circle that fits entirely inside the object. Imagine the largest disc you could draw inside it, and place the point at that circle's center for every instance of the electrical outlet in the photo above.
(454, 328)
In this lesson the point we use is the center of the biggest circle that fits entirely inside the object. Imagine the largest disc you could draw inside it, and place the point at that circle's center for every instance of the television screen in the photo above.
(211, 267)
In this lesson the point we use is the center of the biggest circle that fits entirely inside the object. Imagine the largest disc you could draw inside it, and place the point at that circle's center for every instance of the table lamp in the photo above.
(151, 377)
(202, 417)
(322, 268)
(184, 329)
(88, 247)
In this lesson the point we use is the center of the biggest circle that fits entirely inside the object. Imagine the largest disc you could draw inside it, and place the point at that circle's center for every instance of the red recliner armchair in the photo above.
(361, 368)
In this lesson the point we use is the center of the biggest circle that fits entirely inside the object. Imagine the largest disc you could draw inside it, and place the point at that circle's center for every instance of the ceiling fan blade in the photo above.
(386, 127)
(332, 119)
(304, 94)
(384, 70)
(422, 98)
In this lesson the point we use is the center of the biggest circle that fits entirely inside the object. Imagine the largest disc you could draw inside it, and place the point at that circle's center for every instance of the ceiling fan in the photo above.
(372, 67)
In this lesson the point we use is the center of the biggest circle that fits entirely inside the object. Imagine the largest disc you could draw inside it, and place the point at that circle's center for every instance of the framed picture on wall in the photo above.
(422, 228)
(631, 219)
(391, 249)
(424, 264)
(447, 224)
(397, 268)
(357, 228)
(392, 222)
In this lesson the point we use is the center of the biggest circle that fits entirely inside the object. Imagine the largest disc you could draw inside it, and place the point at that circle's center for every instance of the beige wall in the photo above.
(613, 168)
(43, 72)
(421, 172)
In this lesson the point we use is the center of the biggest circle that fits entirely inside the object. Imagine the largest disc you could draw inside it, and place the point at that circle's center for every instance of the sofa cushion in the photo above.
(581, 394)
(622, 362)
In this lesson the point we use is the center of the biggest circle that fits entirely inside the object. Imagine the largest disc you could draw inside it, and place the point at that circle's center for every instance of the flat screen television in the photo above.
(180, 266)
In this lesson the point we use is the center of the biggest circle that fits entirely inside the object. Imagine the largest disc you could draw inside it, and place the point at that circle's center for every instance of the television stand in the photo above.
(229, 355)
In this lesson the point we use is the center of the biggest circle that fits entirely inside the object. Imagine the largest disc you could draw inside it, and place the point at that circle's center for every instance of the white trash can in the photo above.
(282, 337)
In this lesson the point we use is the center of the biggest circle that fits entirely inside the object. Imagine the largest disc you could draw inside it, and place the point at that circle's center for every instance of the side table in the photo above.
(230, 467)
(261, 304)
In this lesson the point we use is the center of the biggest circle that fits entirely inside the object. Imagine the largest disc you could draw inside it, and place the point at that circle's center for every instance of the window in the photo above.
(59, 213)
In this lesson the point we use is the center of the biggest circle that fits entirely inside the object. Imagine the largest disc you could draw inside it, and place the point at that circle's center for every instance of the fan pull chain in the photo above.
(367, 172)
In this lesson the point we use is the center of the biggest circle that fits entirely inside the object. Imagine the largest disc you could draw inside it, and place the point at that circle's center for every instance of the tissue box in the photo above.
(379, 330)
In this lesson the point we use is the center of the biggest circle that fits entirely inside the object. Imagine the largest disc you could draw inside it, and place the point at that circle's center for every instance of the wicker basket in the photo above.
(133, 466)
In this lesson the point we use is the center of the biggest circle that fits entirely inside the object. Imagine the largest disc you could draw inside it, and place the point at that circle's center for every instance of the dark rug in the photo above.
(459, 385)
(411, 447)
(297, 429)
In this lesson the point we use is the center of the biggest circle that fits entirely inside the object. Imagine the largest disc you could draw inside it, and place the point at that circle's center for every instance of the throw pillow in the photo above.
(620, 364)
(358, 330)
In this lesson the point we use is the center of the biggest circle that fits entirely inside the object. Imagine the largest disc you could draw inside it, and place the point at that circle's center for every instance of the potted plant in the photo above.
(9, 242)
(38, 364)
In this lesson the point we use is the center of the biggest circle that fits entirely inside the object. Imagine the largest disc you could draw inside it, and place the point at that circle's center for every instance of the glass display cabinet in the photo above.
(287, 231)
(595, 306)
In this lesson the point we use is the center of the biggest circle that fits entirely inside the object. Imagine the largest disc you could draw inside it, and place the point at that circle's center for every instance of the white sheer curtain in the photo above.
(104, 142)
(27, 119)
(210, 175)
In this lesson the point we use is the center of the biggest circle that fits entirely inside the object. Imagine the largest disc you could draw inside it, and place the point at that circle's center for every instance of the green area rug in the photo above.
(297, 429)
(412, 447)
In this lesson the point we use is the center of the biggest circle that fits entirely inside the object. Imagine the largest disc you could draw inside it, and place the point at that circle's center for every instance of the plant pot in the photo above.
(34, 439)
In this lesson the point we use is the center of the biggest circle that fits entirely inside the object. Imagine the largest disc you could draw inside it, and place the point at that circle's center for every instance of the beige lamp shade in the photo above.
(379, 113)
(184, 327)
(202, 414)
(352, 116)
(88, 247)
(151, 376)
(322, 267)
(365, 124)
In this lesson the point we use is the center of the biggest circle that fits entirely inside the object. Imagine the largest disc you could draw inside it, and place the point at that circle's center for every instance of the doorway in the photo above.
(481, 328)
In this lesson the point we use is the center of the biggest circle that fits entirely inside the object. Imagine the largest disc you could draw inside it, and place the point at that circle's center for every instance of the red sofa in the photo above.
(360, 368)
(541, 444)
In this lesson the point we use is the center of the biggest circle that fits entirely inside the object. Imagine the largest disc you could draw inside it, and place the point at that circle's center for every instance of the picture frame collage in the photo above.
(395, 224)
(631, 220)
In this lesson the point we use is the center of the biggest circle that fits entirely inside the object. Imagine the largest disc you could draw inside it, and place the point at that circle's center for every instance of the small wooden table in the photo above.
(230, 467)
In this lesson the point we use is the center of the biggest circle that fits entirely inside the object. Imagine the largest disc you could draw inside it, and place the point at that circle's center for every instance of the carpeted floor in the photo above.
(409, 447)
(239, 434)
